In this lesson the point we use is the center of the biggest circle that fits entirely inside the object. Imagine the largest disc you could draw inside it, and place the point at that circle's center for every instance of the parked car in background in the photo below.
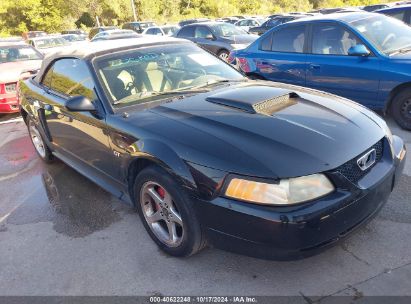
(33, 34)
(165, 30)
(74, 32)
(400, 12)
(190, 21)
(138, 26)
(273, 22)
(206, 155)
(94, 31)
(364, 56)
(231, 20)
(246, 24)
(74, 38)
(217, 37)
(11, 39)
(48, 44)
(374, 7)
(115, 34)
(16, 59)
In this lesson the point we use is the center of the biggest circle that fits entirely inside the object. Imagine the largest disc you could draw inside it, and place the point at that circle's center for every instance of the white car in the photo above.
(48, 44)
(115, 34)
(246, 24)
(165, 30)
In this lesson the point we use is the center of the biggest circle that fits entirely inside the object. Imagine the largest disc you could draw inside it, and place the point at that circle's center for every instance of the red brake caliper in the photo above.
(161, 192)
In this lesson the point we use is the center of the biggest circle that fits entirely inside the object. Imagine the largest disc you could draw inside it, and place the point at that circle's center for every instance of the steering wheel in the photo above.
(129, 87)
(388, 38)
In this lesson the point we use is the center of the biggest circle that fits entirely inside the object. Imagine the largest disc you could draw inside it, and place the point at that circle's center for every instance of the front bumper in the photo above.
(284, 233)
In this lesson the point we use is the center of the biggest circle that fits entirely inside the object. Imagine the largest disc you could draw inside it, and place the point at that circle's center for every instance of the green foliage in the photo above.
(17, 16)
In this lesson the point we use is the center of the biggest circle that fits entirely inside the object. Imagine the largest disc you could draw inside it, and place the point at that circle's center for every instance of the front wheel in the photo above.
(38, 142)
(401, 109)
(223, 54)
(166, 212)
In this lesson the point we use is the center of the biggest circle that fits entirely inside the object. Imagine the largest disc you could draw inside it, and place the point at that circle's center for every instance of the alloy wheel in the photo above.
(223, 56)
(37, 140)
(161, 214)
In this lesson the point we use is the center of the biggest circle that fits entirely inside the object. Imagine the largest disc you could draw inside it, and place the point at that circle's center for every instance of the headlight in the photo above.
(388, 134)
(286, 192)
(239, 46)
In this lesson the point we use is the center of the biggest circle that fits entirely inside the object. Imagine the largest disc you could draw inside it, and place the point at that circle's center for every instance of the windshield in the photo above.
(18, 53)
(227, 30)
(148, 74)
(50, 42)
(387, 34)
(73, 38)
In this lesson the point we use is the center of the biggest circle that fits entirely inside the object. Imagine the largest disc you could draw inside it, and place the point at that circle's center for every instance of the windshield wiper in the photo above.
(400, 51)
(210, 83)
(181, 92)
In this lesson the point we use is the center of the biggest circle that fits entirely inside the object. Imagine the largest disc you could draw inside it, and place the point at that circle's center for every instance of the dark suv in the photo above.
(217, 37)
(138, 27)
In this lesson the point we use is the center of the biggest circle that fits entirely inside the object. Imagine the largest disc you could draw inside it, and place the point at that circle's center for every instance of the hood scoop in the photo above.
(255, 99)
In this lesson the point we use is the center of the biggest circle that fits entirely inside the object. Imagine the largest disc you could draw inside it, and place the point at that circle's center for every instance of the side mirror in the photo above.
(358, 50)
(209, 37)
(80, 104)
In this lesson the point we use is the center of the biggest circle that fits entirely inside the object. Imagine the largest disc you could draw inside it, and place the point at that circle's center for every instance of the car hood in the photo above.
(405, 56)
(241, 39)
(10, 71)
(293, 132)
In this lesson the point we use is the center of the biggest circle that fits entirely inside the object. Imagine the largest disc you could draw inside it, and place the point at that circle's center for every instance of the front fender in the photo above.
(200, 181)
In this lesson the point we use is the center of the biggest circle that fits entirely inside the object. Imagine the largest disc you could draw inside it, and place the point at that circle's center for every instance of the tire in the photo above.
(153, 188)
(38, 142)
(223, 54)
(401, 108)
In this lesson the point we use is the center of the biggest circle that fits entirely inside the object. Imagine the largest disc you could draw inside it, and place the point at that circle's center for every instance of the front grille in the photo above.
(11, 87)
(352, 171)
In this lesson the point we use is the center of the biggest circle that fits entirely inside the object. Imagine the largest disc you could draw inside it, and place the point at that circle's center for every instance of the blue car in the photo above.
(363, 56)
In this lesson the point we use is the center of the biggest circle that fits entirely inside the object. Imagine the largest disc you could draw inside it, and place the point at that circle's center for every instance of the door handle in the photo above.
(314, 66)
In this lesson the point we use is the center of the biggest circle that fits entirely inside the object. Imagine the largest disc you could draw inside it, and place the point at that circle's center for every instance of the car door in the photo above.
(205, 38)
(331, 69)
(79, 137)
(281, 56)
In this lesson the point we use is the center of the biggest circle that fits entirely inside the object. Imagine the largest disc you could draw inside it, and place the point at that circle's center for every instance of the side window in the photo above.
(47, 78)
(202, 32)
(157, 31)
(289, 39)
(266, 43)
(397, 15)
(186, 31)
(71, 77)
(150, 31)
(273, 22)
(332, 39)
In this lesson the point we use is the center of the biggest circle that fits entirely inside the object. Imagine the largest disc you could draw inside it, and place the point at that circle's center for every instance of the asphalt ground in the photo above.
(60, 234)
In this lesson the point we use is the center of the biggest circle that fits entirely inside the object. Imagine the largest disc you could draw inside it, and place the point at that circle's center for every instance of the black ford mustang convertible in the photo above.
(208, 156)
